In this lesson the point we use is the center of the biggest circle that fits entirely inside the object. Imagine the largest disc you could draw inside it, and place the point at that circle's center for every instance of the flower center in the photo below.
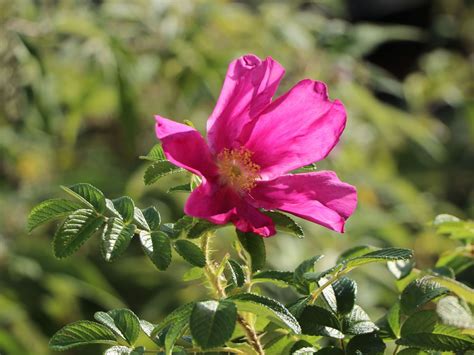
(237, 169)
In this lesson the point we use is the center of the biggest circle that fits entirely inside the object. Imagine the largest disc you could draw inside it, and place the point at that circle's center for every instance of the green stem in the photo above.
(320, 289)
(219, 291)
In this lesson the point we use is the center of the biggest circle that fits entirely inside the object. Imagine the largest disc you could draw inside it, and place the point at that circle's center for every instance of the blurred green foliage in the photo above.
(81, 80)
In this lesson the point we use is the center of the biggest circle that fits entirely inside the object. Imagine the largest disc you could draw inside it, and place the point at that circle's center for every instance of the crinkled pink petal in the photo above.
(220, 205)
(248, 88)
(297, 129)
(185, 147)
(213, 202)
(319, 197)
(250, 219)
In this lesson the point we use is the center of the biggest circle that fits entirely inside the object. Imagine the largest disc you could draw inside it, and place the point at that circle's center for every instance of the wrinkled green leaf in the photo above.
(75, 230)
(236, 272)
(180, 188)
(122, 321)
(285, 223)
(139, 219)
(159, 169)
(199, 228)
(212, 322)
(377, 256)
(81, 333)
(345, 291)
(254, 245)
(366, 344)
(266, 307)
(316, 320)
(49, 210)
(452, 312)
(420, 292)
(152, 218)
(125, 206)
(116, 238)
(423, 330)
(281, 278)
(90, 195)
(157, 246)
(190, 252)
(357, 322)
(155, 154)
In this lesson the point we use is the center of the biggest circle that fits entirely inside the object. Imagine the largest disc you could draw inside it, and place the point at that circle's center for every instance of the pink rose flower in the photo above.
(252, 145)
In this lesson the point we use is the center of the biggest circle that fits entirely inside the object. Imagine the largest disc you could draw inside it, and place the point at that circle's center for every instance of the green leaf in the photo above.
(281, 278)
(157, 246)
(159, 169)
(193, 273)
(393, 319)
(308, 350)
(285, 224)
(155, 154)
(199, 228)
(254, 245)
(181, 313)
(212, 322)
(237, 273)
(422, 330)
(452, 312)
(122, 321)
(116, 238)
(139, 219)
(152, 217)
(303, 268)
(81, 333)
(377, 256)
(367, 344)
(316, 320)
(400, 268)
(181, 226)
(412, 351)
(180, 188)
(75, 230)
(420, 292)
(305, 169)
(124, 350)
(125, 206)
(109, 206)
(457, 287)
(90, 195)
(49, 210)
(267, 307)
(357, 322)
(190, 252)
(345, 291)
(175, 331)
(355, 252)
(331, 350)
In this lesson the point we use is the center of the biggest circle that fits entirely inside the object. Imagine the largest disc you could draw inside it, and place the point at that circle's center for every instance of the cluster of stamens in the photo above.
(236, 168)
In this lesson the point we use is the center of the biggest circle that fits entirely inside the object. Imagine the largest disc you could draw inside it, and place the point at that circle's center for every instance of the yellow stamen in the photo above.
(237, 169)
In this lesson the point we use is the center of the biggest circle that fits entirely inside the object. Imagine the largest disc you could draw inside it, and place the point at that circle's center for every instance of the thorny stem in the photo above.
(219, 291)
(251, 335)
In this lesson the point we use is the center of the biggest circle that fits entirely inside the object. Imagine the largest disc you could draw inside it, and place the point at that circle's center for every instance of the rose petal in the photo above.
(319, 197)
(297, 129)
(220, 205)
(248, 88)
(185, 147)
